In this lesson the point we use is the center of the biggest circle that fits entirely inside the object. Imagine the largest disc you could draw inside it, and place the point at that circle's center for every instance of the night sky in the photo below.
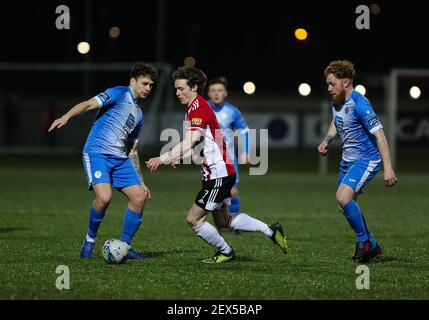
(241, 40)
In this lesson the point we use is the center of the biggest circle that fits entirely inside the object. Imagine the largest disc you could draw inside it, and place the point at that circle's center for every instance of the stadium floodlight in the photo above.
(189, 62)
(114, 32)
(301, 34)
(304, 89)
(361, 89)
(415, 92)
(83, 47)
(249, 87)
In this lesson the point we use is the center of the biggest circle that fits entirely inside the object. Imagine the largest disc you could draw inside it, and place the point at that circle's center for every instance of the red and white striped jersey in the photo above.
(217, 163)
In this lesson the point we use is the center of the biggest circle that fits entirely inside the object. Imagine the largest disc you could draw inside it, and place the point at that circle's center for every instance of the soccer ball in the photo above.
(115, 251)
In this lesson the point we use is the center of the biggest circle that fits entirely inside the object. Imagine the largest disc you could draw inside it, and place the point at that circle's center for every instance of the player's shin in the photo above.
(95, 219)
(132, 222)
(368, 232)
(234, 208)
(210, 234)
(354, 217)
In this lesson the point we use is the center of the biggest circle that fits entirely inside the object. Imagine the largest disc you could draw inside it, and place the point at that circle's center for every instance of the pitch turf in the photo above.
(44, 213)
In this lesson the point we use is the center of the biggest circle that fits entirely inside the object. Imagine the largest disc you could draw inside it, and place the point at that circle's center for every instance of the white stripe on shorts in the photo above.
(211, 204)
(88, 168)
(215, 190)
(371, 166)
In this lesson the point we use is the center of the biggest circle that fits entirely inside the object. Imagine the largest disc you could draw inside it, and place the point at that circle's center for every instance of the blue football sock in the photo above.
(132, 222)
(95, 218)
(368, 232)
(235, 205)
(355, 219)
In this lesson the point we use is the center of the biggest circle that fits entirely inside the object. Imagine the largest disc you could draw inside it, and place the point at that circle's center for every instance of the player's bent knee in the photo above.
(103, 200)
(342, 199)
(193, 221)
(138, 199)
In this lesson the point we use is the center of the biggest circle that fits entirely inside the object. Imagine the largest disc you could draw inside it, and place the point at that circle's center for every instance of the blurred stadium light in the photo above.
(361, 89)
(301, 34)
(304, 89)
(114, 32)
(249, 87)
(83, 47)
(415, 92)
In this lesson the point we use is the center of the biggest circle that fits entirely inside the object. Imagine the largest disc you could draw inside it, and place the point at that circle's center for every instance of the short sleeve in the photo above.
(197, 119)
(365, 113)
(108, 97)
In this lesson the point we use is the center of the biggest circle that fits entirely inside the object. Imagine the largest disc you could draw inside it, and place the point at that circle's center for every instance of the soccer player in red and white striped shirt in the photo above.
(218, 173)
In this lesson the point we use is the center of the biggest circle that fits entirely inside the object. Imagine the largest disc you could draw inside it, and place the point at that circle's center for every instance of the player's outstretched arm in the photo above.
(324, 145)
(181, 149)
(82, 107)
(389, 174)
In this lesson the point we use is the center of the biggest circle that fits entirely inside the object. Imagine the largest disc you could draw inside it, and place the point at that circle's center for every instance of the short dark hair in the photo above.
(193, 76)
(140, 69)
(219, 80)
(341, 69)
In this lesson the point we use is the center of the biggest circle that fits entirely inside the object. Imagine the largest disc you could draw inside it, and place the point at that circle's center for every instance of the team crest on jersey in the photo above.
(373, 121)
(196, 121)
(339, 122)
(131, 121)
(104, 96)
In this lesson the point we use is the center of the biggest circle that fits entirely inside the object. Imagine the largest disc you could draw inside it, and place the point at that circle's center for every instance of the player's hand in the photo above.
(146, 191)
(389, 177)
(323, 148)
(153, 163)
(174, 163)
(60, 122)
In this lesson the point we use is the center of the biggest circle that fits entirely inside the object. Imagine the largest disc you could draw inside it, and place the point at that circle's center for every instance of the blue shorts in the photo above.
(357, 174)
(100, 168)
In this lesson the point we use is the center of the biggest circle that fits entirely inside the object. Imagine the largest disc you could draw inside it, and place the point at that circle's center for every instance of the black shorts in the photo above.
(215, 193)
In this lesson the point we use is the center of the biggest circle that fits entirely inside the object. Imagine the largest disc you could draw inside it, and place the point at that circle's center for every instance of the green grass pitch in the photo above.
(44, 214)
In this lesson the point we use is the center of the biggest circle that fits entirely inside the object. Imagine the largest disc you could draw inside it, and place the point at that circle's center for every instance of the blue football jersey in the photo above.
(119, 119)
(230, 120)
(356, 121)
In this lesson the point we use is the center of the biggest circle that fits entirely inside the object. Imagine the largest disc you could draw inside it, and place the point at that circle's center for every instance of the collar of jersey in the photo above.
(190, 105)
(215, 107)
(134, 99)
(349, 98)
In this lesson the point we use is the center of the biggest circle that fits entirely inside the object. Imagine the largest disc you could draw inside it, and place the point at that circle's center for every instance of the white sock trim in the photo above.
(89, 239)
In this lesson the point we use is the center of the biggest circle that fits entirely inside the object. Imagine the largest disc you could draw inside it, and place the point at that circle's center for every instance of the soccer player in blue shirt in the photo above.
(110, 155)
(230, 120)
(364, 149)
